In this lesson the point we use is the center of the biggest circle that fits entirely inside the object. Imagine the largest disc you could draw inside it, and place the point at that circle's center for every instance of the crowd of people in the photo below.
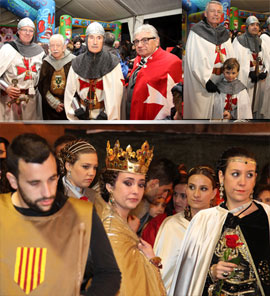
(140, 226)
(226, 74)
(87, 78)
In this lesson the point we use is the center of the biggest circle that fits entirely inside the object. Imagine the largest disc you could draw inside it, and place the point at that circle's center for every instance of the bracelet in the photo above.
(211, 275)
(156, 261)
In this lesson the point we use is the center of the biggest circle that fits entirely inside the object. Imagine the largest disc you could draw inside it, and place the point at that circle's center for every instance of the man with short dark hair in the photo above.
(109, 39)
(160, 178)
(48, 241)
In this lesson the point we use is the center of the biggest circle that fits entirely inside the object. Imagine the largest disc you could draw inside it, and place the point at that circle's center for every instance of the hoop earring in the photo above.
(221, 190)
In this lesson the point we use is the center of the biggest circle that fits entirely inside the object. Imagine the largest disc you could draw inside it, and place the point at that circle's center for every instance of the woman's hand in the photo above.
(222, 270)
(146, 248)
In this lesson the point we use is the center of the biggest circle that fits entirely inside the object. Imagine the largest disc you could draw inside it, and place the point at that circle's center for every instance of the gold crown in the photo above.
(128, 160)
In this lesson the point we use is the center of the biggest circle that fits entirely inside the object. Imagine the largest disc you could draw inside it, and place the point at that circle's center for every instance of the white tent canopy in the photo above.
(131, 11)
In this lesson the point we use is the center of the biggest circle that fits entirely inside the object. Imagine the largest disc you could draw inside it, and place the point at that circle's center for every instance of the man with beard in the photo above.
(19, 73)
(252, 54)
(207, 48)
(49, 241)
(53, 78)
(95, 81)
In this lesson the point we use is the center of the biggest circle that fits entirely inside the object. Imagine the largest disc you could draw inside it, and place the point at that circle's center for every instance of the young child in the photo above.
(233, 101)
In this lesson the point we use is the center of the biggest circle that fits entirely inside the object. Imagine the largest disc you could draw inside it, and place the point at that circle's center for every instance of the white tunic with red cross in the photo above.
(105, 94)
(25, 71)
(203, 61)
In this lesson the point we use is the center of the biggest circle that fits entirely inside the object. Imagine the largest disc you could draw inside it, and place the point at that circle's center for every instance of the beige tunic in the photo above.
(41, 257)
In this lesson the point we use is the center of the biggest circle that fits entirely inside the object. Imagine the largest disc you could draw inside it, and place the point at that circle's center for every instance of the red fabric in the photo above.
(219, 51)
(169, 49)
(151, 229)
(154, 75)
(27, 70)
(91, 85)
(230, 102)
(84, 198)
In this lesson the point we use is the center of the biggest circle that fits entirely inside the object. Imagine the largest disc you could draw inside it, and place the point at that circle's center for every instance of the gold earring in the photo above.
(187, 213)
(111, 198)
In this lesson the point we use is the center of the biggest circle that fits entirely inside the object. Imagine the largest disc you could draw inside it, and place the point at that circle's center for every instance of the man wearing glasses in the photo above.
(208, 46)
(154, 74)
(20, 63)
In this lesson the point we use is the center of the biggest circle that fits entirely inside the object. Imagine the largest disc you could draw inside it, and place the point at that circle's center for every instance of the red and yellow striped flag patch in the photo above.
(30, 267)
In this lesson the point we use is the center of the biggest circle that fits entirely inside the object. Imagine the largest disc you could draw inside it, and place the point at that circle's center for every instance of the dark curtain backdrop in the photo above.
(190, 149)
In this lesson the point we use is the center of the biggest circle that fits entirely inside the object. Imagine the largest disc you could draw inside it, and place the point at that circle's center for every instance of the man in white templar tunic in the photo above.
(94, 86)
(265, 110)
(20, 63)
(207, 48)
(250, 50)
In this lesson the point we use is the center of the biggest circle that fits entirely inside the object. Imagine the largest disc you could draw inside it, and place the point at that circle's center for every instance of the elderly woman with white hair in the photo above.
(95, 81)
(53, 78)
(21, 61)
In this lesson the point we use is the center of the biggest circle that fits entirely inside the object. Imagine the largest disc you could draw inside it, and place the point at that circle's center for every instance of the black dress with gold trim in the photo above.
(252, 276)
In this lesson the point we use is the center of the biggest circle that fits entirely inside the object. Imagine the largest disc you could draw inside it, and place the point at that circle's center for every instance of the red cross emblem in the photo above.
(27, 70)
(92, 85)
(230, 103)
(254, 61)
(221, 53)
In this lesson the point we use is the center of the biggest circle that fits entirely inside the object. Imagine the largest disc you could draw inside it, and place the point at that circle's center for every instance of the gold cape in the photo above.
(139, 276)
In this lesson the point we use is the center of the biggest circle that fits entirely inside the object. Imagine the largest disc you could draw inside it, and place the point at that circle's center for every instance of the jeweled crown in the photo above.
(127, 160)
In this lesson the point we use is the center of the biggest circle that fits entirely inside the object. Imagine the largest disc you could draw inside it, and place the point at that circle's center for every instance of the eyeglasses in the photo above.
(144, 41)
(27, 31)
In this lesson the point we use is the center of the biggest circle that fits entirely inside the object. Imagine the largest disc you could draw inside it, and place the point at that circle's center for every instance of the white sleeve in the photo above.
(168, 245)
(113, 88)
(7, 55)
(52, 100)
(69, 94)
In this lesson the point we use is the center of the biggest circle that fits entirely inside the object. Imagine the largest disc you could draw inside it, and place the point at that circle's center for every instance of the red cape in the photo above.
(154, 77)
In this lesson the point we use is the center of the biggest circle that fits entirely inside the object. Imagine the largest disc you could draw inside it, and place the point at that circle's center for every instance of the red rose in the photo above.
(231, 241)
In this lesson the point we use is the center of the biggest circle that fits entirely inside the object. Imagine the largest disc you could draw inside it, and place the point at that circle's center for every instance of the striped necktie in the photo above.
(141, 64)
